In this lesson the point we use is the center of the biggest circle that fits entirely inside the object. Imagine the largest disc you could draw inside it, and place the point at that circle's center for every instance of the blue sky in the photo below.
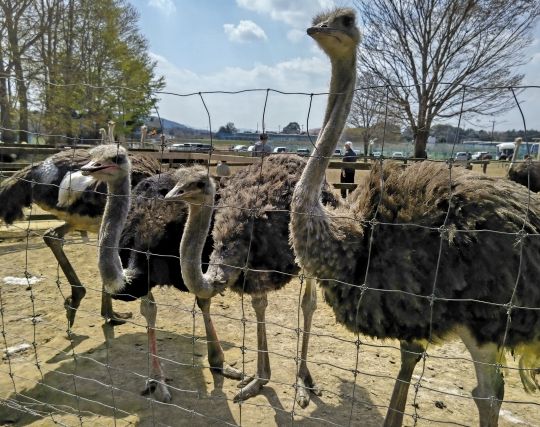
(206, 45)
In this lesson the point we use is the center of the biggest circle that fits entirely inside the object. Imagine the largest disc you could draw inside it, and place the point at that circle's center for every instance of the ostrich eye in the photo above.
(200, 184)
(163, 192)
(119, 159)
(348, 21)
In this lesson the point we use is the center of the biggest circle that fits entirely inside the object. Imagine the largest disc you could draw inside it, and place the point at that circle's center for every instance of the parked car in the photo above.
(481, 155)
(302, 151)
(377, 154)
(398, 155)
(191, 146)
(280, 150)
(338, 152)
(240, 148)
(461, 156)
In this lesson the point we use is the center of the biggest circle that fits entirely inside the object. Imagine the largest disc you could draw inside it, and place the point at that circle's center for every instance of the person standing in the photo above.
(261, 147)
(347, 174)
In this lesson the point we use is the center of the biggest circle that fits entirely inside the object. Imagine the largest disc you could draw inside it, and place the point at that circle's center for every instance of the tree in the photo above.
(292, 127)
(369, 109)
(442, 57)
(228, 128)
(75, 64)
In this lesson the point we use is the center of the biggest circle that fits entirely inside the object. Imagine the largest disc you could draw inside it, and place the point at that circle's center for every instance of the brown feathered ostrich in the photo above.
(139, 248)
(410, 255)
(56, 185)
(251, 252)
(526, 172)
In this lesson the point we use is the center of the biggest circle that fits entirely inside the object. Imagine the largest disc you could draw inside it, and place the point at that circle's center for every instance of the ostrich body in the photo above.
(251, 252)
(527, 172)
(146, 225)
(381, 272)
(57, 186)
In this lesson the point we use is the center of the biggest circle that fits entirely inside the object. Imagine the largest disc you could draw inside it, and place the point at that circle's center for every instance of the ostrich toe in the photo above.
(154, 384)
(250, 390)
(305, 386)
(229, 372)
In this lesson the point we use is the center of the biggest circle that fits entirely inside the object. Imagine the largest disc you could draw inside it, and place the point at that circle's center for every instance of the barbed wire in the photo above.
(353, 372)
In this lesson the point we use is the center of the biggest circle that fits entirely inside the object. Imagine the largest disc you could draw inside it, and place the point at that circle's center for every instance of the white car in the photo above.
(338, 152)
(398, 155)
(240, 148)
(461, 156)
(280, 150)
(302, 151)
(377, 154)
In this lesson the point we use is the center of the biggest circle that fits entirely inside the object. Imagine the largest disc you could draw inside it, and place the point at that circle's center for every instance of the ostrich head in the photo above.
(194, 186)
(109, 163)
(336, 32)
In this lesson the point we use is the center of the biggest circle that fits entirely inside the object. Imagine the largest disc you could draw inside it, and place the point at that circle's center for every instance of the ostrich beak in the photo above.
(176, 195)
(92, 167)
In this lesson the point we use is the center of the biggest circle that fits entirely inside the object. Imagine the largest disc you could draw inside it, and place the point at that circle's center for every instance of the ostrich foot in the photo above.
(304, 387)
(228, 371)
(112, 317)
(154, 384)
(72, 303)
(250, 390)
(245, 381)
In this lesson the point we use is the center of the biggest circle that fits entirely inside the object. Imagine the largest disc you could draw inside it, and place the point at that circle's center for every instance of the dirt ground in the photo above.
(84, 381)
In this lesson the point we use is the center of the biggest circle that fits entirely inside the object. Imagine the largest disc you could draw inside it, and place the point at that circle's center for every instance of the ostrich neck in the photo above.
(191, 248)
(308, 190)
(114, 219)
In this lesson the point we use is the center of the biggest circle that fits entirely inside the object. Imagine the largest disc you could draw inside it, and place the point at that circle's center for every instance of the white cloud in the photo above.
(245, 31)
(296, 13)
(296, 35)
(309, 75)
(166, 6)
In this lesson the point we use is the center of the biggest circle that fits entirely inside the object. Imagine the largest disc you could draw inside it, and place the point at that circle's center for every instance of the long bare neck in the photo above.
(112, 224)
(308, 190)
(191, 248)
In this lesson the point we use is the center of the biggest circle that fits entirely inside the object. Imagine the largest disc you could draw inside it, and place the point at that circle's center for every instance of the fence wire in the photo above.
(77, 374)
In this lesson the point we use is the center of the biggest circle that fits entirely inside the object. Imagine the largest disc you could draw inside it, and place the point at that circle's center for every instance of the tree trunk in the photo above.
(5, 110)
(420, 141)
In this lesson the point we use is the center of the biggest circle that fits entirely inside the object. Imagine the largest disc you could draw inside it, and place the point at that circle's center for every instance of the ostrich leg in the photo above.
(157, 380)
(216, 358)
(410, 355)
(259, 303)
(54, 239)
(305, 382)
(489, 392)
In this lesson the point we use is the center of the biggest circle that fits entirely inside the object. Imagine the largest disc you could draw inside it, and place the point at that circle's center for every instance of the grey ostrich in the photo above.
(526, 172)
(387, 278)
(139, 248)
(251, 252)
(57, 186)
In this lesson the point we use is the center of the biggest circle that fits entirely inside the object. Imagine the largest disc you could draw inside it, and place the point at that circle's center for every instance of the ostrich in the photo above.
(251, 223)
(146, 225)
(57, 186)
(374, 262)
(526, 173)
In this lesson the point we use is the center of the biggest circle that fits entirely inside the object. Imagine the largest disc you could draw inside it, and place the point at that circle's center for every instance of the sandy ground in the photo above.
(84, 381)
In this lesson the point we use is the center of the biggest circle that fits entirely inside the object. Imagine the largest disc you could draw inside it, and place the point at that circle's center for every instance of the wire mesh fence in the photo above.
(59, 371)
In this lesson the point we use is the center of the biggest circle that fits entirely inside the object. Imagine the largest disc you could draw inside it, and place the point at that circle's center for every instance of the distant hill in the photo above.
(172, 128)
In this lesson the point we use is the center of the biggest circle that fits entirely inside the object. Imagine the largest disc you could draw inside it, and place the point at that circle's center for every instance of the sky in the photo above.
(231, 45)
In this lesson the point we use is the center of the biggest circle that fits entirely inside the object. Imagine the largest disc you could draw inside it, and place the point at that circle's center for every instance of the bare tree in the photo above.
(440, 57)
(369, 109)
